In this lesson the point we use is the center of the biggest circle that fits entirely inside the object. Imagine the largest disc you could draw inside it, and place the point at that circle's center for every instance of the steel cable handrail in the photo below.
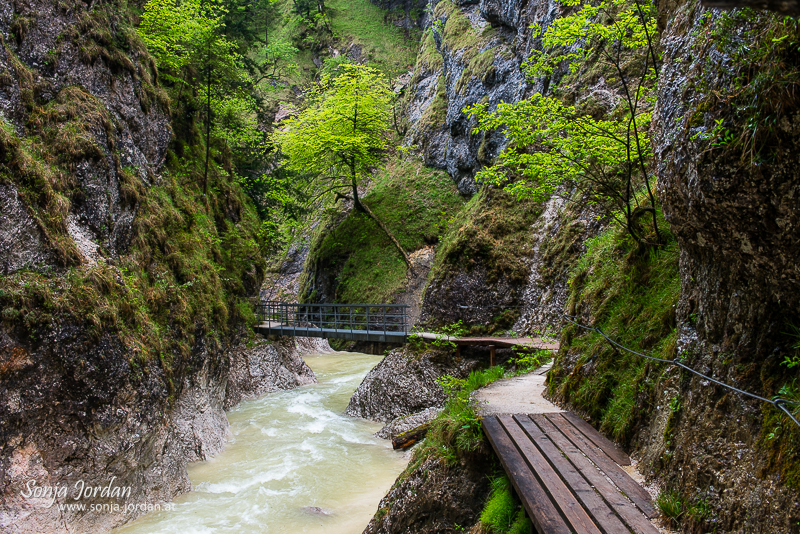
(778, 402)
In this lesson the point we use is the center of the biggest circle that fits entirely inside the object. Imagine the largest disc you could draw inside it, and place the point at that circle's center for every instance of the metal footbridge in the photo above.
(385, 323)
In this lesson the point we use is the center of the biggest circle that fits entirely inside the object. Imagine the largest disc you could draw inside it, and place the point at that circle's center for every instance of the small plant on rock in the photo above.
(671, 505)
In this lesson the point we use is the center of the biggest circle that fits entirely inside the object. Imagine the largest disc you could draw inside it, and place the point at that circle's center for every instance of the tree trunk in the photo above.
(406, 439)
(357, 204)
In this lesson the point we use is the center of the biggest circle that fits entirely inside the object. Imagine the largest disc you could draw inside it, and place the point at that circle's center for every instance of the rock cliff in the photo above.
(435, 497)
(122, 335)
(737, 225)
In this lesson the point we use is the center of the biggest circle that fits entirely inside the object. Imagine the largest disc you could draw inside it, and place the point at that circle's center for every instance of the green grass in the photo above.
(414, 202)
(503, 513)
(386, 46)
(360, 22)
(631, 293)
(457, 430)
(671, 506)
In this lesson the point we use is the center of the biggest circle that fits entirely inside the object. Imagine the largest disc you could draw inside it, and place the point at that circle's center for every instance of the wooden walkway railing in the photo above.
(568, 476)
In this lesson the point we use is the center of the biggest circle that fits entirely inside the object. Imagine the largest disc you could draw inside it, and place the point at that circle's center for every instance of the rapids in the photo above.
(294, 464)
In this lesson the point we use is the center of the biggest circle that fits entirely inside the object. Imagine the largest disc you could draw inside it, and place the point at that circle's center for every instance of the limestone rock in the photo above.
(404, 383)
(434, 497)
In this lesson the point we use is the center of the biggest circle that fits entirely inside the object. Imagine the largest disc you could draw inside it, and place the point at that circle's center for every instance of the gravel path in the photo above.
(521, 394)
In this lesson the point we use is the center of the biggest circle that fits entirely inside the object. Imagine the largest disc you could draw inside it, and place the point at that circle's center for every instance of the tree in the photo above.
(186, 37)
(342, 135)
(552, 142)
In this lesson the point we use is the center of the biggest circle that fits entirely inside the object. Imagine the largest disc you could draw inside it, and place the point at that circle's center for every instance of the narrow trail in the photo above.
(520, 394)
(525, 394)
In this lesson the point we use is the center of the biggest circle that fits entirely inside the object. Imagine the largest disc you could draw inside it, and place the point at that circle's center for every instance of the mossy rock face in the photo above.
(122, 286)
(630, 292)
(482, 261)
(83, 133)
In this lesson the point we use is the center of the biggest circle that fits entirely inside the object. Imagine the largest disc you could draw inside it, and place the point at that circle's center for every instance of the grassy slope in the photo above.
(630, 293)
(356, 22)
(386, 46)
(414, 202)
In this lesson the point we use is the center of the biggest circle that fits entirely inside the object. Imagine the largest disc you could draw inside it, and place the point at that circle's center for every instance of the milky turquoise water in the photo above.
(289, 453)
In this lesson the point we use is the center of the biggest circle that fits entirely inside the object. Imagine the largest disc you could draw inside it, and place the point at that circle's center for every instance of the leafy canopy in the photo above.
(551, 142)
(177, 31)
(343, 131)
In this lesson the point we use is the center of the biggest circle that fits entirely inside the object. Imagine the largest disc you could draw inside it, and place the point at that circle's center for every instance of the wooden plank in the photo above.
(631, 515)
(541, 510)
(563, 497)
(608, 446)
(605, 518)
(623, 481)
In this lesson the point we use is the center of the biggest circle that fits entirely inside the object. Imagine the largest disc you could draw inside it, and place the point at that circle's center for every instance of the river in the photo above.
(294, 464)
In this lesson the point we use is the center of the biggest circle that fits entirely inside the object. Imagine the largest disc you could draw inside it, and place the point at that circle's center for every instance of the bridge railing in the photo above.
(371, 318)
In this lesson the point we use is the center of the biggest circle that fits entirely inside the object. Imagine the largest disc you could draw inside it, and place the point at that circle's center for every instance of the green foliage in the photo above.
(341, 135)
(553, 142)
(176, 30)
(503, 513)
(631, 292)
(573, 39)
(204, 70)
(699, 510)
(457, 430)
(445, 332)
(526, 361)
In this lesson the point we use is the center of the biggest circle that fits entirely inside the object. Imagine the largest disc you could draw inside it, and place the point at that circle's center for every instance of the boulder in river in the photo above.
(404, 383)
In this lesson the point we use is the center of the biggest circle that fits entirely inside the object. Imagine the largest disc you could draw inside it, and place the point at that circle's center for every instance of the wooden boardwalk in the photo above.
(507, 342)
(568, 475)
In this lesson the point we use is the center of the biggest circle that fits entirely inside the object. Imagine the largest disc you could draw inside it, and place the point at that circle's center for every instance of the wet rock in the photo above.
(77, 409)
(315, 510)
(452, 80)
(267, 367)
(407, 422)
(404, 383)
(125, 131)
(22, 243)
(434, 497)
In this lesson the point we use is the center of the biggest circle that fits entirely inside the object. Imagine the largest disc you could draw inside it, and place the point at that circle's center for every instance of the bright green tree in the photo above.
(552, 142)
(342, 135)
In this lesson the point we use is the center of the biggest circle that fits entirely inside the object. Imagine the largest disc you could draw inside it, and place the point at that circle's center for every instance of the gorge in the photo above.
(145, 210)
